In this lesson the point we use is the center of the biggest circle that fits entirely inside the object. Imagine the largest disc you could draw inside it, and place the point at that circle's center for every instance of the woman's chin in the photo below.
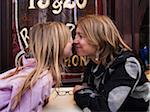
(80, 54)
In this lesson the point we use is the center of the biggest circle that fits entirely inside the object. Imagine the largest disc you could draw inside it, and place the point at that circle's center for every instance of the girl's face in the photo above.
(68, 49)
(82, 45)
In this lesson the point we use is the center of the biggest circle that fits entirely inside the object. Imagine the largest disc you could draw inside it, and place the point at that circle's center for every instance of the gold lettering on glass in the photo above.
(43, 4)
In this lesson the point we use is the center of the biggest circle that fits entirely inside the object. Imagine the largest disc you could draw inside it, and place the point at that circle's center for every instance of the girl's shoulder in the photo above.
(46, 77)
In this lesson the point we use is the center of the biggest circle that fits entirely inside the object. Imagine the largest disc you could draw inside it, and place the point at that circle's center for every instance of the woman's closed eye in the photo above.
(80, 35)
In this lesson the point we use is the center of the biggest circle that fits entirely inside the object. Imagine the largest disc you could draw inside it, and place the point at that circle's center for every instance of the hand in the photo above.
(46, 102)
(77, 87)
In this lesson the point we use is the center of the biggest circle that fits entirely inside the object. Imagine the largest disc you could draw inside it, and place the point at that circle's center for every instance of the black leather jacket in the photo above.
(110, 88)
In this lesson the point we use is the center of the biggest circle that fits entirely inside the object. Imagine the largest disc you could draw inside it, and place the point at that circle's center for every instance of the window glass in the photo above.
(26, 13)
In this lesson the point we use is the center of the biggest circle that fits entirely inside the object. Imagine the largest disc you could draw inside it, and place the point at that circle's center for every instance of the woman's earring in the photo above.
(97, 56)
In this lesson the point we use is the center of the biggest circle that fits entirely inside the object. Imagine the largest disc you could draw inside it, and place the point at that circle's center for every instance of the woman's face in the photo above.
(82, 46)
(68, 49)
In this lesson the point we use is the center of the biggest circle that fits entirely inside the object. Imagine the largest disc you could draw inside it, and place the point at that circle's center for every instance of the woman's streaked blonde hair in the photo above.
(103, 35)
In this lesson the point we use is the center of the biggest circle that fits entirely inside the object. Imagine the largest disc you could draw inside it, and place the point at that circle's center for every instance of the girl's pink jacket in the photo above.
(33, 99)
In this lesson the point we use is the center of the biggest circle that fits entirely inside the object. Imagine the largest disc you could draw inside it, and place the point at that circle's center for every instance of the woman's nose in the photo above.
(76, 40)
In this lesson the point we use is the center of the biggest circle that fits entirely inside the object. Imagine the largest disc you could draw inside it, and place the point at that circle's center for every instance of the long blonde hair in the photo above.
(47, 43)
(103, 35)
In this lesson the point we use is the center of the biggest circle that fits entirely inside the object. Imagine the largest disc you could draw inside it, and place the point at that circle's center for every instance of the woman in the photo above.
(26, 88)
(113, 74)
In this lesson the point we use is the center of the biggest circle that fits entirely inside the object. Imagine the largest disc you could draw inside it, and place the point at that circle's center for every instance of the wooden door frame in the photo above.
(5, 35)
(128, 16)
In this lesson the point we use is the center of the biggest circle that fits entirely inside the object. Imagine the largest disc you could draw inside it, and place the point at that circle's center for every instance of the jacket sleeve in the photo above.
(34, 99)
(87, 98)
(118, 87)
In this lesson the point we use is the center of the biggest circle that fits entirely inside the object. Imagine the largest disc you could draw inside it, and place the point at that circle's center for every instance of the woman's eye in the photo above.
(80, 36)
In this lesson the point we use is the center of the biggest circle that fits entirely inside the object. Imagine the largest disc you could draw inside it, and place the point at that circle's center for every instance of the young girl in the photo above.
(26, 88)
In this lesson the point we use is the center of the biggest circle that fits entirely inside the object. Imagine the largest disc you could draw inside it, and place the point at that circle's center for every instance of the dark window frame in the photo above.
(5, 35)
